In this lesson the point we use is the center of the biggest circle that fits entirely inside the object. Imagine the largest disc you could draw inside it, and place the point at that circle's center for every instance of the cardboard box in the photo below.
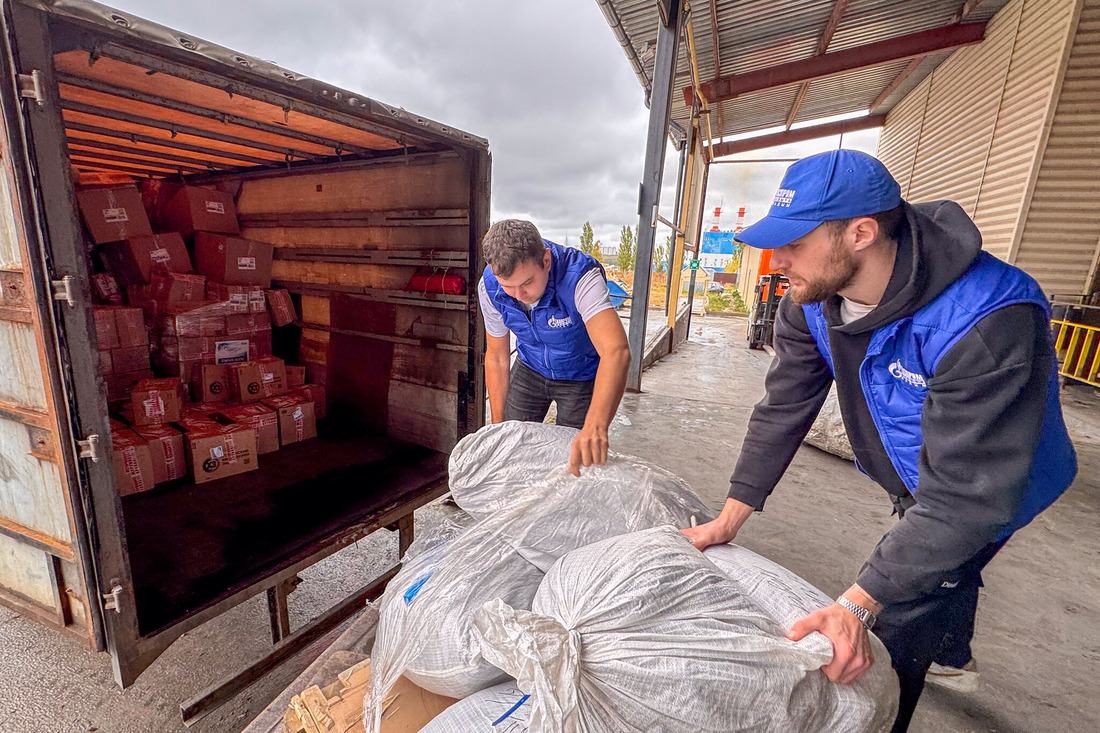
(211, 383)
(243, 325)
(106, 333)
(130, 359)
(281, 306)
(187, 348)
(196, 209)
(106, 288)
(193, 319)
(112, 214)
(134, 260)
(255, 380)
(133, 462)
(296, 418)
(295, 376)
(260, 345)
(220, 451)
(241, 298)
(130, 326)
(165, 450)
(232, 260)
(177, 287)
(120, 385)
(314, 393)
(155, 195)
(263, 421)
(157, 401)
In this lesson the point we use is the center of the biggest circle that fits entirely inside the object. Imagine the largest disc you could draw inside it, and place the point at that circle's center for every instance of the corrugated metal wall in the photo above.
(1030, 86)
(975, 133)
(897, 143)
(961, 114)
(1060, 238)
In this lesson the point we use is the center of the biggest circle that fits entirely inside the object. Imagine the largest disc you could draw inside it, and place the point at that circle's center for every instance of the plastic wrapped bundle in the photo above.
(501, 709)
(563, 512)
(489, 470)
(424, 628)
(669, 643)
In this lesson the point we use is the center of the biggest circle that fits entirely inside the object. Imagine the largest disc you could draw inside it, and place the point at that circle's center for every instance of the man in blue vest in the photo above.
(944, 370)
(570, 343)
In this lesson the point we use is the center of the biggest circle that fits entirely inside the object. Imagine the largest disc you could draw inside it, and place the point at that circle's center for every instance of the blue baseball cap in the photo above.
(839, 184)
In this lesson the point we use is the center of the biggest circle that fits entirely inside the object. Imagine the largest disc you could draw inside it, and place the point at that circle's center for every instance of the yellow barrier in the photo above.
(1078, 349)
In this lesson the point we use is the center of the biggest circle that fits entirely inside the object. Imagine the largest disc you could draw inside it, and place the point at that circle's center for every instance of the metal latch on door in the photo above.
(30, 86)
(89, 448)
(112, 600)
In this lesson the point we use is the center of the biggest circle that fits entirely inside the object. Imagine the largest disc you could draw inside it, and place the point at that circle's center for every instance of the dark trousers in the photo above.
(530, 395)
(936, 627)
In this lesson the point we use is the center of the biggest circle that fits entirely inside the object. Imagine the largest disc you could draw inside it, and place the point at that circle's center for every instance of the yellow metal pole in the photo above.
(703, 104)
(678, 246)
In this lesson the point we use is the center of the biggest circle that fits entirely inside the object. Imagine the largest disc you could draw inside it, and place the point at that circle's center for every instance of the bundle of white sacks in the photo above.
(564, 605)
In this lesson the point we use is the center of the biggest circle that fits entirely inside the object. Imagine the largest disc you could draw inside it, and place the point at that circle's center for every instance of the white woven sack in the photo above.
(488, 470)
(501, 709)
(424, 627)
(669, 644)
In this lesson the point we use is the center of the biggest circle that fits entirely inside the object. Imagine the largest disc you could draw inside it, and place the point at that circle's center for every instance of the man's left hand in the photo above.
(589, 448)
(852, 655)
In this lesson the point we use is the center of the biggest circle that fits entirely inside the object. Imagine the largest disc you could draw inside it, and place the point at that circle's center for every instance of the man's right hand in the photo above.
(720, 530)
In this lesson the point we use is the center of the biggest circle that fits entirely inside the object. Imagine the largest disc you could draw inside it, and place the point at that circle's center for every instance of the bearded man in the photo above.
(945, 375)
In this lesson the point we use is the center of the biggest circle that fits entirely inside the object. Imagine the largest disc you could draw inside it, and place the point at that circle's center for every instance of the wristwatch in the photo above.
(864, 615)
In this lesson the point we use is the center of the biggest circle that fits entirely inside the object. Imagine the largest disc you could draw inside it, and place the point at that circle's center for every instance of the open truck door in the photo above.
(355, 198)
(47, 319)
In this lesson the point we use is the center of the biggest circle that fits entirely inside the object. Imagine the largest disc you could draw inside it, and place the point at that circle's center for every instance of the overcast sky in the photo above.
(544, 80)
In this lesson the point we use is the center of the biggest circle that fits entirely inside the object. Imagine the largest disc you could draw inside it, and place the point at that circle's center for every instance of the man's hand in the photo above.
(589, 448)
(721, 530)
(852, 656)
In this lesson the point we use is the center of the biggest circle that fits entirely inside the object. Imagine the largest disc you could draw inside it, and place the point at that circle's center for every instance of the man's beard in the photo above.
(840, 269)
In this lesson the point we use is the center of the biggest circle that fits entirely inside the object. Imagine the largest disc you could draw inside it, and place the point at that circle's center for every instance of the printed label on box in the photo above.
(217, 453)
(246, 263)
(215, 207)
(239, 300)
(269, 377)
(114, 216)
(160, 255)
(154, 406)
(231, 352)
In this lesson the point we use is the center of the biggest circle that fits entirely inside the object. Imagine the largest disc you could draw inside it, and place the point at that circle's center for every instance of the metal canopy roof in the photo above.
(766, 64)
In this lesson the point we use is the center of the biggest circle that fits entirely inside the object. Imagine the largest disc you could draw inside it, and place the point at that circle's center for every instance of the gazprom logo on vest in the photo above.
(900, 372)
(560, 322)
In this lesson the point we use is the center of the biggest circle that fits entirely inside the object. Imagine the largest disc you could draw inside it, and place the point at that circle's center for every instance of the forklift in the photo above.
(769, 289)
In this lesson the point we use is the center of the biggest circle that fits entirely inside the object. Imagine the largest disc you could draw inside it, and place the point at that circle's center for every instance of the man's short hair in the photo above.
(510, 242)
(889, 223)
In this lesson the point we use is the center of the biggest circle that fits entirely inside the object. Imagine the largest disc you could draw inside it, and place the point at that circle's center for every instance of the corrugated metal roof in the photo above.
(758, 34)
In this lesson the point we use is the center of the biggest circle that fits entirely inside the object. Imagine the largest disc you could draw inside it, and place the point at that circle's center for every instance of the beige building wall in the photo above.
(978, 131)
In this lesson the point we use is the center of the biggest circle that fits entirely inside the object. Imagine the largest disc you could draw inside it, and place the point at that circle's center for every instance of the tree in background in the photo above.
(735, 263)
(660, 255)
(626, 249)
(587, 238)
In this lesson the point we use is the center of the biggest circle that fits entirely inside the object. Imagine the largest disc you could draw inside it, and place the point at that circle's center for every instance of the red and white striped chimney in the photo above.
(740, 220)
(717, 216)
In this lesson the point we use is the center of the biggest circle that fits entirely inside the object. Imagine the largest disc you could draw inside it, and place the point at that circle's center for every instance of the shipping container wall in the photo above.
(349, 243)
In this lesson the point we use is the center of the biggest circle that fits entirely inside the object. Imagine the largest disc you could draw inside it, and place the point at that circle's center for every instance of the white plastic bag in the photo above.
(501, 709)
(669, 644)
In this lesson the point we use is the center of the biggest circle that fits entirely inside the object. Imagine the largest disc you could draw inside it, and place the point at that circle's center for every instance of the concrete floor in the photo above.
(1038, 637)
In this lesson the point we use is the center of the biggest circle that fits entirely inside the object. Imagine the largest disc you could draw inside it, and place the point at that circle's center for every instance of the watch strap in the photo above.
(863, 614)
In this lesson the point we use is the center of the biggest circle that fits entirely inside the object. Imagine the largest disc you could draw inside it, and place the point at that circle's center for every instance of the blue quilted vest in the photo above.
(554, 341)
(902, 356)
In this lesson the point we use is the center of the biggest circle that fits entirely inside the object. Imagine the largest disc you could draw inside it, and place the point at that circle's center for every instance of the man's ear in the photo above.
(547, 258)
(864, 233)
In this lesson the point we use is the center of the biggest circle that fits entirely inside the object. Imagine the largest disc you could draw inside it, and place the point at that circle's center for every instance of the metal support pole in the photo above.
(675, 277)
(676, 212)
(660, 101)
(698, 235)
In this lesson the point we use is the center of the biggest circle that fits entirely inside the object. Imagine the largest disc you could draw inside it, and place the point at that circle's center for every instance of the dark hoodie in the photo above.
(982, 416)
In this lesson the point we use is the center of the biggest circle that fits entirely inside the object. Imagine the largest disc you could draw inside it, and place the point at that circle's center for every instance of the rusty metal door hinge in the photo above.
(63, 289)
(30, 86)
(112, 600)
(89, 448)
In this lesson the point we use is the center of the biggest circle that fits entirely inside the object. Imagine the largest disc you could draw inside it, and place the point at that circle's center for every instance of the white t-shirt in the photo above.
(853, 311)
(590, 297)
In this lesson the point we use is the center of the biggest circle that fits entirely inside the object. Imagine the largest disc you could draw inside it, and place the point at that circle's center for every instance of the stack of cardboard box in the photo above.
(216, 398)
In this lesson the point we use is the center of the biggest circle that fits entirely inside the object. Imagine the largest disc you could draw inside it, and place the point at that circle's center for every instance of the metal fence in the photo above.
(1077, 345)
